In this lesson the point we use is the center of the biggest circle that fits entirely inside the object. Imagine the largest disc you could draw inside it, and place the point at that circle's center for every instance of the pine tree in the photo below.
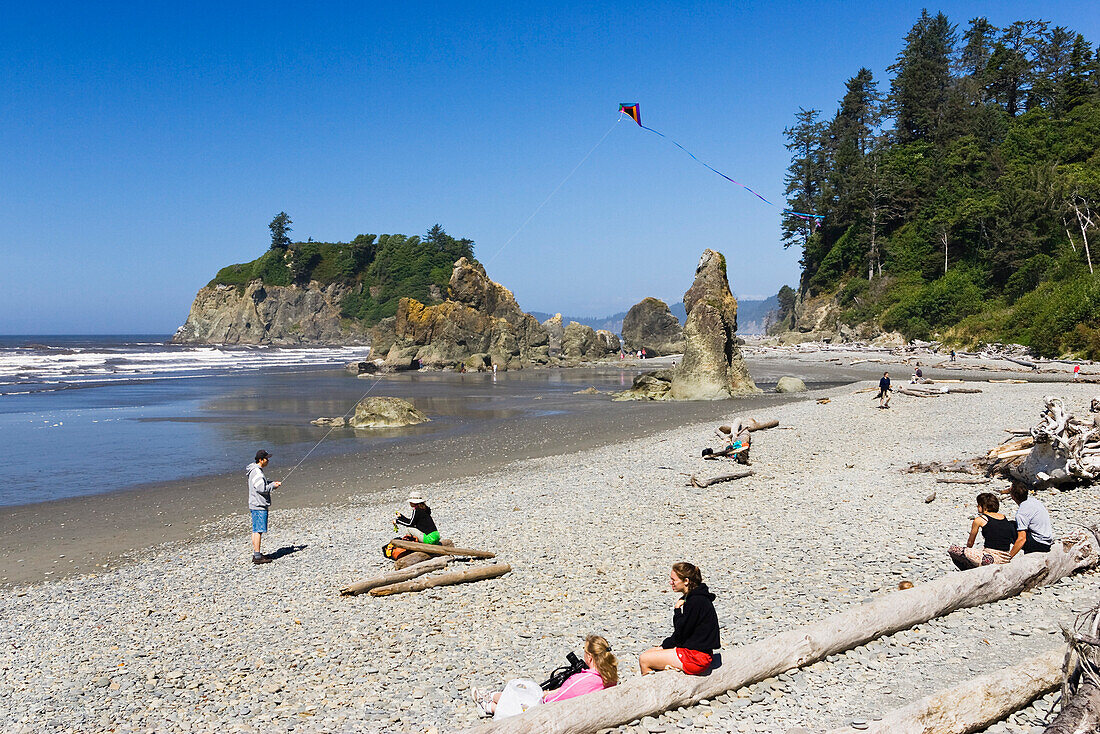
(280, 230)
(974, 60)
(805, 177)
(922, 78)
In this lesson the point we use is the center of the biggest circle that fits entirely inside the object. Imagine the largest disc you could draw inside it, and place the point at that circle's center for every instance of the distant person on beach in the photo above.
(601, 671)
(1076, 371)
(998, 535)
(918, 373)
(259, 500)
(695, 634)
(884, 391)
(1034, 533)
(736, 441)
(420, 525)
(952, 355)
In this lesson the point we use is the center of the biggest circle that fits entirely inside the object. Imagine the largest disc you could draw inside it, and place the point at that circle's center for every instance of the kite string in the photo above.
(562, 183)
(814, 217)
(332, 428)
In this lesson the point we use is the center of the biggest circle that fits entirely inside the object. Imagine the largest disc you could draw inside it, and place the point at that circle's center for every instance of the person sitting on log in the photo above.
(695, 634)
(601, 671)
(1034, 533)
(998, 534)
(420, 526)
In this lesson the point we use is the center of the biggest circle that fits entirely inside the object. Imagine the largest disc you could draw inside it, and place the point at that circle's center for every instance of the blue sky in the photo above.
(143, 147)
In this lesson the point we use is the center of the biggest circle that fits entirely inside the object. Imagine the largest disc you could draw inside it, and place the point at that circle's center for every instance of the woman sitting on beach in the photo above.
(694, 623)
(602, 672)
(736, 441)
(420, 526)
(998, 533)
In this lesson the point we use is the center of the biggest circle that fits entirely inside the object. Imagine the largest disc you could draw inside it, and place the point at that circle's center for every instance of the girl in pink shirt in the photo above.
(602, 672)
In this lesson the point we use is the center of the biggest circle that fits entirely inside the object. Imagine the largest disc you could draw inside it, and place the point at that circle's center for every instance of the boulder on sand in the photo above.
(790, 384)
(581, 342)
(384, 412)
(650, 325)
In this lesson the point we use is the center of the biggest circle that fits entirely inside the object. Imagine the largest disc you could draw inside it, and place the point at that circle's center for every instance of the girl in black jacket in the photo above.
(695, 627)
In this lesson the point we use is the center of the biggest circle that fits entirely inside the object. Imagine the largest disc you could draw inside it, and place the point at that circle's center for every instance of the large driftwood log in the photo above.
(962, 480)
(446, 579)
(442, 550)
(652, 695)
(700, 483)
(411, 559)
(1081, 690)
(959, 466)
(975, 704)
(394, 577)
(752, 424)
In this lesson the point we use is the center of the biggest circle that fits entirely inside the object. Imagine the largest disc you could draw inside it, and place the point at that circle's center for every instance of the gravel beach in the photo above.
(195, 638)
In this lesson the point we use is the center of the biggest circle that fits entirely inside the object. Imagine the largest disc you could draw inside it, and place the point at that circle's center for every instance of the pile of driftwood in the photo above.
(429, 558)
(1060, 449)
(1081, 677)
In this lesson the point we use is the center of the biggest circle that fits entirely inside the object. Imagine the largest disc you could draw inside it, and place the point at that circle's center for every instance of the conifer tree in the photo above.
(922, 78)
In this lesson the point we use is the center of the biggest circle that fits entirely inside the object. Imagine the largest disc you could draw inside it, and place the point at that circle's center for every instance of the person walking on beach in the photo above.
(1034, 533)
(695, 634)
(884, 391)
(1076, 371)
(259, 500)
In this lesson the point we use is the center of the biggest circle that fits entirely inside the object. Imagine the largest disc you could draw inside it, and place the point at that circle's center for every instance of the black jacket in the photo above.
(695, 624)
(421, 520)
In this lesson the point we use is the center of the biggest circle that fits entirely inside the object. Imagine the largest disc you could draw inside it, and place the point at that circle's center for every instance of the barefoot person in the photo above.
(695, 627)
(998, 535)
(420, 526)
(259, 500)
(602, 671)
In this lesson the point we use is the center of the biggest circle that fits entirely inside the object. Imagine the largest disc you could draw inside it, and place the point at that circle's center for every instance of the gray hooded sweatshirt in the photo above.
(259, 488)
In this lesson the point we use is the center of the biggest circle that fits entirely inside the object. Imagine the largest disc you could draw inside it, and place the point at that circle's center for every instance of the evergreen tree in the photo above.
(974, 60)
(922, 79)
(1010, 71)
(280, 231)
(850, 137)
(805, 178)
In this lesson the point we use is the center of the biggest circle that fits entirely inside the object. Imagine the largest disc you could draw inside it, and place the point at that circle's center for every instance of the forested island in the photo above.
(959, 203)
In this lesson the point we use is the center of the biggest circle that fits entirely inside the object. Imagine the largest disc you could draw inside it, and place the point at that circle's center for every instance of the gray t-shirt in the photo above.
(1032, 515)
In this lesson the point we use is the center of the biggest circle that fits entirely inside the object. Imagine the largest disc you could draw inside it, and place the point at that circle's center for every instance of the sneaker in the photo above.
(260, 559)
(483, 701)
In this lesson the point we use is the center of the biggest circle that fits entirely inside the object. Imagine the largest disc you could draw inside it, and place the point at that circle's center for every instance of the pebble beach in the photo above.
(193, 638)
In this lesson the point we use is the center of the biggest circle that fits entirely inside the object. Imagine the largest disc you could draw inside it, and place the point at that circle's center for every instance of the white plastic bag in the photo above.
(518, 696)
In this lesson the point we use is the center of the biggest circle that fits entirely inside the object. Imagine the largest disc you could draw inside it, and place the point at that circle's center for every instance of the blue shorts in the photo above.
(259, 521)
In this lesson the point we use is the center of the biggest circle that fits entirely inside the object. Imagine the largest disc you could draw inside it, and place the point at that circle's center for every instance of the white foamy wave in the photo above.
(39, 364)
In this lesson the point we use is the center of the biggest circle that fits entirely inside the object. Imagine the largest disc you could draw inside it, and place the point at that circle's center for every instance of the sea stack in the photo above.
(712, 367)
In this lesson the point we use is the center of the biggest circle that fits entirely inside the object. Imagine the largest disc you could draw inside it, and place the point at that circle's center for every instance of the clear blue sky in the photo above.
(144, 146)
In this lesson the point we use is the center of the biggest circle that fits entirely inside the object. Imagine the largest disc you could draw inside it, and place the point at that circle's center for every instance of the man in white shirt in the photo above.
(1034, 533)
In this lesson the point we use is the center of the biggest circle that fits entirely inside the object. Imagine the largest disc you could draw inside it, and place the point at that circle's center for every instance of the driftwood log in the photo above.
(975, 704)
(1061, 450)
(1081, 686)
(742, 666)
(442, 550)
(959, 466)
(962, 480)
(446, 579)
(415, 557)
(693, 481)
(393, 577)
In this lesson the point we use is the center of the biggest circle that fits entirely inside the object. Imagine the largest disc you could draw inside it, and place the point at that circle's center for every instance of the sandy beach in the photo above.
(192, 637)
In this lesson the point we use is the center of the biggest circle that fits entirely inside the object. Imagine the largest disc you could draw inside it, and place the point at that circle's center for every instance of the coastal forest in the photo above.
(959, 199)
(378, 269)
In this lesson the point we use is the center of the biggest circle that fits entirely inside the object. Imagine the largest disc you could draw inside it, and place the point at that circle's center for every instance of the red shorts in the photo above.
(692, 661)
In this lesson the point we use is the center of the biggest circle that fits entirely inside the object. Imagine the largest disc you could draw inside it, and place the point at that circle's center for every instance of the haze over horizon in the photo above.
(147, 147)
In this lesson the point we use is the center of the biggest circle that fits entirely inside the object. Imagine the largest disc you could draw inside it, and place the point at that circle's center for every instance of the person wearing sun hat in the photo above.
(420, 525)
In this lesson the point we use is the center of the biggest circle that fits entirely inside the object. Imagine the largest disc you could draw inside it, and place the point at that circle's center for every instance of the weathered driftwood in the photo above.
(693, 481)
(1081, 684)
(959, 466)
(929, 391)
(1066, 450)
(758, 425)
(442, 550)
(412, 559)
(651, 695)
(1010, 382)
(962, 480)
(394, 577)
(447, 579)
(975, 704)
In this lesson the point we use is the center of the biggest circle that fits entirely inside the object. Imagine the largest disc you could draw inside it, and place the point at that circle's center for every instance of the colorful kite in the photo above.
(632, 111)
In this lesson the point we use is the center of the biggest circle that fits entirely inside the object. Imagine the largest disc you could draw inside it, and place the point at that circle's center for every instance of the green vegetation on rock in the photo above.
(959, 204)
(379, 270)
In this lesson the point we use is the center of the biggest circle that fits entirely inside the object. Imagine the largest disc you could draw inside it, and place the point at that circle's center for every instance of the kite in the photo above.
(632, 111)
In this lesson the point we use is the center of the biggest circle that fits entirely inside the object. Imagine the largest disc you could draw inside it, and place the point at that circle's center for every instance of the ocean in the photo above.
(85, 415)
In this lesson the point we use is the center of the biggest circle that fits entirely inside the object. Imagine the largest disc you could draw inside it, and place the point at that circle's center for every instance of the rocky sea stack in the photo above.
(712, 367)
(650, 325)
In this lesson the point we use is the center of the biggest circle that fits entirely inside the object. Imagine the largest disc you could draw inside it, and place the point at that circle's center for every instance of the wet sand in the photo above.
(51, 540)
